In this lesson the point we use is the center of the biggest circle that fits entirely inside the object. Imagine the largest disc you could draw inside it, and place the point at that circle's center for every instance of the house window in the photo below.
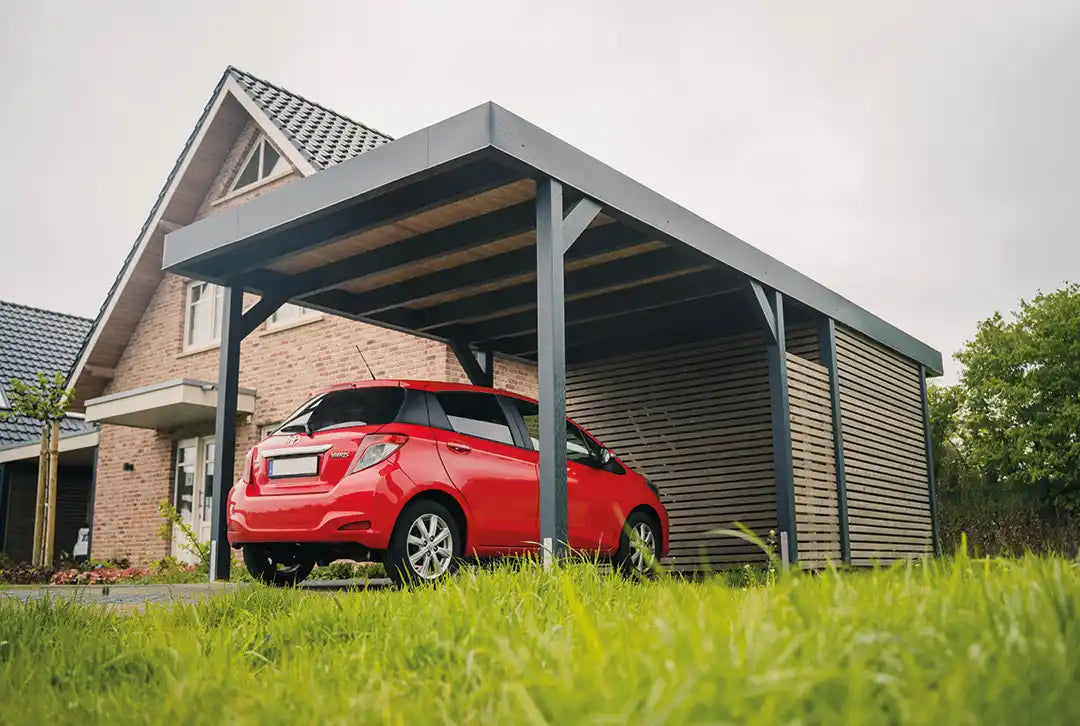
(288, 314)
(203, 321)
(262, 162)
(3, 400)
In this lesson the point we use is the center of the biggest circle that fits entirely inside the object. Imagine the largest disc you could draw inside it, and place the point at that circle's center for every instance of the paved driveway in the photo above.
(128, 595)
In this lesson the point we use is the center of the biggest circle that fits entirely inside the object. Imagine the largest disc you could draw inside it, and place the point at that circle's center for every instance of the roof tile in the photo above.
(35, 341)
(323, 136)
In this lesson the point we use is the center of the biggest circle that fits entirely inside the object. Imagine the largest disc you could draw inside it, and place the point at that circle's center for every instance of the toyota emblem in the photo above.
(292, 439)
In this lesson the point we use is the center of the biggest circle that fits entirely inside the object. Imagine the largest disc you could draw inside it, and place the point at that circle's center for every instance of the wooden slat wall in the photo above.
(817, 520)
(884, 451)
(695, 420)
(802, 340)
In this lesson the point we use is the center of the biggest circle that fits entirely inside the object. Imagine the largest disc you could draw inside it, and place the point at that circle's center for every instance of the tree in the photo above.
(1021, 400)
(952, 469)
(44, 400)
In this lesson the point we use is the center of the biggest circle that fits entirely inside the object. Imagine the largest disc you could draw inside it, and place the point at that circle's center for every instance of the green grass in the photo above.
(957, 641)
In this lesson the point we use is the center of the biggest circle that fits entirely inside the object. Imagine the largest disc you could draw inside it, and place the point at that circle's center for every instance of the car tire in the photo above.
(272, 568)
(629, 559)
(426, 544)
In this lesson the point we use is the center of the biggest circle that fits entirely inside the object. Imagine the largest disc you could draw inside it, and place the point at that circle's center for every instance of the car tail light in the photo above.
(249, 461)
(379, 447)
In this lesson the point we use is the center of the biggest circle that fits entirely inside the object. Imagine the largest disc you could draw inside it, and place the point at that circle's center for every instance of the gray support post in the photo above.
(929, 462)
(4, 476)
(551, 367)
(827, 354)
(776, 351)
(93, 499)
(225, 429)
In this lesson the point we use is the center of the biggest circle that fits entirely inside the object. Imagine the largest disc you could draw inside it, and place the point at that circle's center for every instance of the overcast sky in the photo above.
(920, 158)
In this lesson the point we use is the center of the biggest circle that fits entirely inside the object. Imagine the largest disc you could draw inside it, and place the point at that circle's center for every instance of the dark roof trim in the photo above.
(492, 129)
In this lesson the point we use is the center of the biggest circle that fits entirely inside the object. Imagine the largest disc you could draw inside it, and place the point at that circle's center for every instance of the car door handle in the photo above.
(458, 447)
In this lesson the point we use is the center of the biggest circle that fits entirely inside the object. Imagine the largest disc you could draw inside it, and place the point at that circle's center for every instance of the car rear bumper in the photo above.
(346, 513)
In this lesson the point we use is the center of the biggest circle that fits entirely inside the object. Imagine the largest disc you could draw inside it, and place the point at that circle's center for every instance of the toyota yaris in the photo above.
(421, 475)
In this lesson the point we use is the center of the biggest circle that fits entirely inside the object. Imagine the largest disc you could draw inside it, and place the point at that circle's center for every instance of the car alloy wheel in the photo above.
(430, 546)
(643, 547)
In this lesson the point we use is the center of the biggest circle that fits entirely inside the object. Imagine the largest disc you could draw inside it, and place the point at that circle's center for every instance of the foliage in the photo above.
(190, 542)
(96, 576)
(93, 572)
(23, 573)
(948, 641)
(45, 399)
(346, 570)
(1005, 520)
(1021, 395)
(954, 471)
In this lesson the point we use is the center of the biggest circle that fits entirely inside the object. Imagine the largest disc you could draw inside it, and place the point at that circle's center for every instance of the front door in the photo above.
(193, 491)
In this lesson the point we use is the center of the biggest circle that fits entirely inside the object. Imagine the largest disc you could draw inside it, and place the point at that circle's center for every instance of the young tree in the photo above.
(46, 401)
(1021, 381)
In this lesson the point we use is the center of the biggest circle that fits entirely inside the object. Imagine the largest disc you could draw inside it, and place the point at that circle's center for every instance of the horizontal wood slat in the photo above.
(817, 517)
(884, 451)
(695, 419)
(802, 341)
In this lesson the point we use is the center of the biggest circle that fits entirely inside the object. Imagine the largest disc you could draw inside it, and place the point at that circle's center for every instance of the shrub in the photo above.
(189, 541)
(23, 573)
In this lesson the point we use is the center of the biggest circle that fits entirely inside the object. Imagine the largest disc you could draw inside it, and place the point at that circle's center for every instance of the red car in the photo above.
(421, 475)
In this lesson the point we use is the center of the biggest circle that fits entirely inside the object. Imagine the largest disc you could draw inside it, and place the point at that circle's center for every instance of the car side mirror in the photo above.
(605, 457)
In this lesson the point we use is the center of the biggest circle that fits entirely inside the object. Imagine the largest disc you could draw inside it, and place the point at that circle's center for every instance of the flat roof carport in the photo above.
(485, 231)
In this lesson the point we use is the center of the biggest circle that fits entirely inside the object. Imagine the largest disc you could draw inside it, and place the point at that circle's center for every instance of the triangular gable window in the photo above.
(263, 162)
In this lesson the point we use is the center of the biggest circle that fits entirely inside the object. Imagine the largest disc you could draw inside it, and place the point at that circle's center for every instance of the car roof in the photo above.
(434, 386)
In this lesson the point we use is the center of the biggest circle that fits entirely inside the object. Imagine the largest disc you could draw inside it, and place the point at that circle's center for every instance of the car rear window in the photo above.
(348, 407)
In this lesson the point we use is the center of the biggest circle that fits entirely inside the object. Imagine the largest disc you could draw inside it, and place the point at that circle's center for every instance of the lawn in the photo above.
(956, 641)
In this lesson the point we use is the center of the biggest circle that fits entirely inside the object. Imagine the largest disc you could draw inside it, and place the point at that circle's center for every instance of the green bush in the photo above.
(347, 570)
(1006, 520)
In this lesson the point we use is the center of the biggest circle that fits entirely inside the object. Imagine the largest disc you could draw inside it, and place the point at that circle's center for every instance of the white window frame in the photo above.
(264, 176)
(215, 330)
(301, 316)
(3, 399)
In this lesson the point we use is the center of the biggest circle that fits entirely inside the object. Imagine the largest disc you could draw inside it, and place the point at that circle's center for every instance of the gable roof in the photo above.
(323, 136)
(311, 136)
(35, 341)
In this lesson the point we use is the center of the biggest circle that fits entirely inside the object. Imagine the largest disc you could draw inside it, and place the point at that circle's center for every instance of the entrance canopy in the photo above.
(435, 233)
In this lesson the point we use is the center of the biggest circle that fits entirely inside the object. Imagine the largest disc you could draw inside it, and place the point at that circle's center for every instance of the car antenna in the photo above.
(370, 372)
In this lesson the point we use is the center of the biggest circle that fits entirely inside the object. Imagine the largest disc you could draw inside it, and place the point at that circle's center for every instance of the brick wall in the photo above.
(283, 366)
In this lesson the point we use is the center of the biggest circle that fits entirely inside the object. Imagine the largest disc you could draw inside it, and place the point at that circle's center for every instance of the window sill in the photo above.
(272, 328)
(250, 187)
(195, 350)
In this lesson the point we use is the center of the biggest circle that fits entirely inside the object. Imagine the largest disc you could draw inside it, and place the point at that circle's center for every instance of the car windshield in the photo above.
(348, 407)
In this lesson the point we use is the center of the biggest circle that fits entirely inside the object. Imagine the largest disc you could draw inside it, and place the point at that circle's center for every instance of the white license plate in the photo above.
(293, 466)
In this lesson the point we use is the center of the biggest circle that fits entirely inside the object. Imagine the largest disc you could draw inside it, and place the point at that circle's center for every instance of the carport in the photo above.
(737, 383)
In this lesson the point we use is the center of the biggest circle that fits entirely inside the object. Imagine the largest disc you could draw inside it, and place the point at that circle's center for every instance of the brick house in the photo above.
(145, 372)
